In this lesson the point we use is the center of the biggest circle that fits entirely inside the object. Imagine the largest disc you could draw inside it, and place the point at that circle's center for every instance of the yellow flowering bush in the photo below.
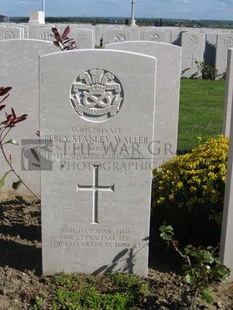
(188, 191)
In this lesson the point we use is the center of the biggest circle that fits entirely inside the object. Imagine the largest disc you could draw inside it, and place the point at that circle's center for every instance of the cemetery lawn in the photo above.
(201, 111)
(23, 287)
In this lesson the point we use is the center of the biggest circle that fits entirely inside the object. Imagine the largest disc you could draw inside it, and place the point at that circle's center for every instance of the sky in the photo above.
(180, 9)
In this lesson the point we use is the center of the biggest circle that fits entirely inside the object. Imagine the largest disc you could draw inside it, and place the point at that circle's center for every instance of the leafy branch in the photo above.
(201, 266)
(62, 41)
(5, 127)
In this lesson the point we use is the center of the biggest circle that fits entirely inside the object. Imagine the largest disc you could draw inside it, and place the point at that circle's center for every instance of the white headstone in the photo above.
(155, 35)
(19, 69)
(87, 27)
(25, 31)
(167, 93)
(10, 33)
(228, 95)
(84, 38)
(224, 42)
(99, 33)
(176, 37)
(226, 244)
(41, 33)
(117, 35)
(136, 32)
(99, 113)
(193, 47)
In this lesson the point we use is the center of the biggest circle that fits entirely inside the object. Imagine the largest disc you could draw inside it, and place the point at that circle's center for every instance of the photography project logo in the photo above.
(36, 154)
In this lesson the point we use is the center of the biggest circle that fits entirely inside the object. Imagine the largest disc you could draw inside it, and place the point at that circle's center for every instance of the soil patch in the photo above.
(20, 266)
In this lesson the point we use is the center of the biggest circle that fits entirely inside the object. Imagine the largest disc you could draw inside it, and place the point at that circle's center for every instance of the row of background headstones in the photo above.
(24, 81)
(82, 35)
(198, 45)
(22, 74)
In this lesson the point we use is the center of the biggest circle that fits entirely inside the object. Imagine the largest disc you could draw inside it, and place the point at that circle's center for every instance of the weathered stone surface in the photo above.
(167, 93)
(99, 114)
(19, 69)
(193, 48)
(228, 95)
(224, 42)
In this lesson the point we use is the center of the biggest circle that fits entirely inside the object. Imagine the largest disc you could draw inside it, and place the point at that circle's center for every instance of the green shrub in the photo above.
(208, 72)
(188, 192)
(201, 267)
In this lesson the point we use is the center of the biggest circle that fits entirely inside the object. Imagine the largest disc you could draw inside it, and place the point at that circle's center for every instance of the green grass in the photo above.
(201, 111)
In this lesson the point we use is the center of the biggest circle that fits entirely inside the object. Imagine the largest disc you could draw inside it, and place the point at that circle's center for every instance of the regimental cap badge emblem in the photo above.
(96, 95)
(193, 40)
(155, 37)
(228, 41)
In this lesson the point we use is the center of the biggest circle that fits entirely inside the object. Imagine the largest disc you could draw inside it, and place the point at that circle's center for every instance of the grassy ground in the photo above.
(201, 111)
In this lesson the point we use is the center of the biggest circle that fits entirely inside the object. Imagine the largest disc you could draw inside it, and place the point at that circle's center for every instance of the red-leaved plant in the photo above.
(5, 127)
(63, 41)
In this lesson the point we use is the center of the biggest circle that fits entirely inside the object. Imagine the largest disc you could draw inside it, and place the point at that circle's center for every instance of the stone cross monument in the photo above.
(43, 5)
(132, 13)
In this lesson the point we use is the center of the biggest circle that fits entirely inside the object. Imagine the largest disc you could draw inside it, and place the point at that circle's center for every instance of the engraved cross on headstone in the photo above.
(193, 60)
(95, 188)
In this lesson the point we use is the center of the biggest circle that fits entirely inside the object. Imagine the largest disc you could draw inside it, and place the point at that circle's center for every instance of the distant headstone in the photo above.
(228, 95)
(88, 27)
(167, 93)
(41, 33)
(193, 47)
(99, 32)
(117, 35)
(98, 112)
(176, 37)
(84, 38)
(136, 32)
(10, 33)
(24, 31)
(19, 69)
(224, 42)
(155, 35)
